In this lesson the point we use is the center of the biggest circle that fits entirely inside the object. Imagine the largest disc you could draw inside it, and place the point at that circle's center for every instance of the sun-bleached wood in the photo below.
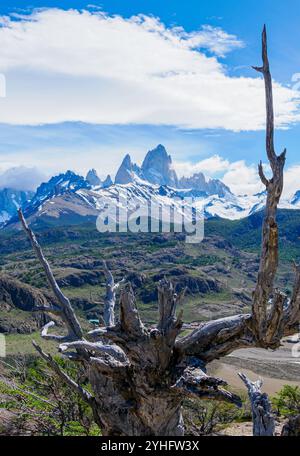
(110, 296)
(140, 376)
(262, 417)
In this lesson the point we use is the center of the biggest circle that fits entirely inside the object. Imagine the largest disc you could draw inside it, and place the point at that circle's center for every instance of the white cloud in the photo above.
(215, 39)
(209, 166)
(21, 178)
(291, 181)
(238, 176)
(91, 67)
(242, 179)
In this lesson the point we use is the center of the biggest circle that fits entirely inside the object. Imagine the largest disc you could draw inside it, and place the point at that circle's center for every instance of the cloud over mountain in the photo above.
(21, 178)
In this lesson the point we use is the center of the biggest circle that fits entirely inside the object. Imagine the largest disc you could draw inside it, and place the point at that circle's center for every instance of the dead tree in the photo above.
(110, 296)
(261, 409)
(140, 376)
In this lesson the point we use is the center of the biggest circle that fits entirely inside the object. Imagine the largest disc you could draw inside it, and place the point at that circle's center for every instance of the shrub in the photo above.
(42, 404)
(287, 401)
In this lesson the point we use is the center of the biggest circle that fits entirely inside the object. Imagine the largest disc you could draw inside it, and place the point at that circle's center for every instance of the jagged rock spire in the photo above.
(157, 167)
(93, 178)
(125, 172)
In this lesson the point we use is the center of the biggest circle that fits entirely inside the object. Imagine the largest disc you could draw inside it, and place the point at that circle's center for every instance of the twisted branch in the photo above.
(194, 382)
(66, 310)
(130, 321)
(269, 252)
(262, 328)
(85, 395)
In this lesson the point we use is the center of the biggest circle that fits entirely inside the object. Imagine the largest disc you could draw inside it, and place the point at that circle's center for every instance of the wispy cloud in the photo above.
(241, 178)
(209, 166)
(214, 39)
(92, 67)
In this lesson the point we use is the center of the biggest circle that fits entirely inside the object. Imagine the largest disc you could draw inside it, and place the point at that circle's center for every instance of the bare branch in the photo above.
(96, 348)
(86, 396)
(265, 70)
(269, 252)
(194, 382)
(294, 306)
(275, 321)
(262, 175)
(108, 365)
(263, 328)
(55, 310)
(118, 284)
(110, 297)
(129, 317)
(167, 303)
(262, 417)
(217, 338)
(67, 313)
(45, 335)
(112, 333)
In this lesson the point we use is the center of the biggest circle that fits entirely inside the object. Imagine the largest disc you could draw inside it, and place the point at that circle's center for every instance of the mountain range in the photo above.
(69, 198)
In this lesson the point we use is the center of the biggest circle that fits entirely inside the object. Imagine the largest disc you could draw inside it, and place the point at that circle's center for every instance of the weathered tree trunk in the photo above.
(262, 416)
(110, 297)
(140, 376)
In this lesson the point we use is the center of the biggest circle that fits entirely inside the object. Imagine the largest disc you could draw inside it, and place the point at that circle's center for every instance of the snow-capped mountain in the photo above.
(57, 185)
(211, 186)
(157, 168)
(94, 180)
(70, 198)
(10, 200)
(84, 203)
(127, 172)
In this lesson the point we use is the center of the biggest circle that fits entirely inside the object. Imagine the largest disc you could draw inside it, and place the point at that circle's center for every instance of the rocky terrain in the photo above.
(18, 306)
(218, 273)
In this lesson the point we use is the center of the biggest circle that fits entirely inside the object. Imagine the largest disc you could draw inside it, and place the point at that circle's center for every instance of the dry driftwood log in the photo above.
(140, 376)
(262, 416)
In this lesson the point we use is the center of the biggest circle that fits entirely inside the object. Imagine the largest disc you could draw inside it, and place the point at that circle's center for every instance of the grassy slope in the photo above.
(245, 234)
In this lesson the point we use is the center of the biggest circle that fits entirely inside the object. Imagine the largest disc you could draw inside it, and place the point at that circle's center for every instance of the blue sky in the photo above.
(46, 123)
